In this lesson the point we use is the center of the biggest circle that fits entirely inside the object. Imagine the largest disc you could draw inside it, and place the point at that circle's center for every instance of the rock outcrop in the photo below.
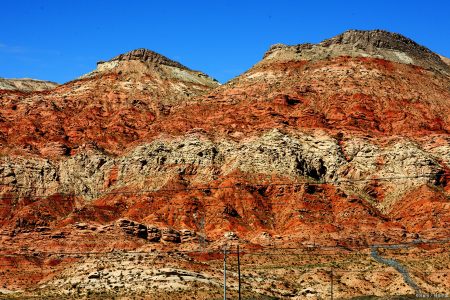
(154, 234)
(114, 105)
(26, 85)
(147, 56)
(363, 43)
(139, 63)
(341, 144)
(132, 228)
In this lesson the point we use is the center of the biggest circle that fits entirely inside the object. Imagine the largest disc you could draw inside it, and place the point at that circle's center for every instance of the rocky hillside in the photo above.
(112, 106)
(359, 88)
(26, 85)
(344, 143)
(357, 43)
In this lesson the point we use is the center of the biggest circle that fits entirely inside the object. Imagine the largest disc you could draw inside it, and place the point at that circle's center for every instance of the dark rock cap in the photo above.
(371, 41)
(146, 55)
(367, 39)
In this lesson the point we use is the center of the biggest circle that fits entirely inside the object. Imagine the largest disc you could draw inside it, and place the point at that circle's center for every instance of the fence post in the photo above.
(331, 288)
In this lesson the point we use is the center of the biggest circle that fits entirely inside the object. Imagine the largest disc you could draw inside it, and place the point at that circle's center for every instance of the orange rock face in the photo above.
(316, 144)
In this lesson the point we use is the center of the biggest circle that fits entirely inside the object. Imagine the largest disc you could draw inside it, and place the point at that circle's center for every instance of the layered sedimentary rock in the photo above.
(26, 84)
(111, 107)
(344, 143)
(347, 113)
(358, 43)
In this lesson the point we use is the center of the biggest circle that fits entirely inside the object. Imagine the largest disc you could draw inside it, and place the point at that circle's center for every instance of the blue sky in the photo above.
(61, 40)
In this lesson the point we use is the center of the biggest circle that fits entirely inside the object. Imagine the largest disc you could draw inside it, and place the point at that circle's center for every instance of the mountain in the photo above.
(371, 82)
(111, 106)
(342, 144)
(152, 74)
(26, 84)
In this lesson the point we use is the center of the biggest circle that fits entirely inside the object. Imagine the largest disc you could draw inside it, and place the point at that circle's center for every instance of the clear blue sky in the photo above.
(61, 40)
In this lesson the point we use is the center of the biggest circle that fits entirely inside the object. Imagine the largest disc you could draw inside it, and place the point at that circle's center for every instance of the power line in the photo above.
(244, 252)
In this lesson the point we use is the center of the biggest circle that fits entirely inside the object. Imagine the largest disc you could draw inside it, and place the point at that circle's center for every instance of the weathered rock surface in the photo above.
(132, 228)
(124, 274)
(147, 62)
(114, 105)
(26, 84)
(445, 59)
(363, 43)
(146, 55)
(275, 183)
(154, 234)
(341, 144)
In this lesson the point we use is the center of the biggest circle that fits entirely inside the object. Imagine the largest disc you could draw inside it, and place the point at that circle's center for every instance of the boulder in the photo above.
(153, 234)
(170, 235)
(187, 235)
(133, 228)
(231, 235)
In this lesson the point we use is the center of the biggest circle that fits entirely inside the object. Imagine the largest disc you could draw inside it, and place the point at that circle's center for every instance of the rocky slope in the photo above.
(445, 59)
(358, 43)
(341, 144)
(112, 106)
(357, 88)
(26, 84)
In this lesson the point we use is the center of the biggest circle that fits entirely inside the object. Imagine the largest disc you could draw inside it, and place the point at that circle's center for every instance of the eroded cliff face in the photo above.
(348, 113)
(360, 43)
(113, 106)
(351, 83)
(378, 175)
(344, 143)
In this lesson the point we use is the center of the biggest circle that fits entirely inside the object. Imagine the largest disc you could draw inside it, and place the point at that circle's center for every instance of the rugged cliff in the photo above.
(344, 144)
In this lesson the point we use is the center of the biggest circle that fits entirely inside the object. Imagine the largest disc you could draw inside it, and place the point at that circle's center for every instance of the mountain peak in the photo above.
(146, 55)
(369, 39)
(363, 43)
(144, 61)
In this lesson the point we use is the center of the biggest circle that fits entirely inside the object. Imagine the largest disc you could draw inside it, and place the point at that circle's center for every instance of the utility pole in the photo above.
(331, 275)
(239, 272)
(225, 273)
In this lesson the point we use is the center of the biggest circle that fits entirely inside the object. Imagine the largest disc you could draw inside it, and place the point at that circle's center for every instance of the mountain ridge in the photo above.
(26, 84)
(141, 62)
(145, 55)
(314, 146)
(363, 43)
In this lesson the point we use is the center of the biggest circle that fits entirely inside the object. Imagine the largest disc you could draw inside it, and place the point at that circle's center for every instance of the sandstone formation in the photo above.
(111, 107)
(358, 43)
(342, 144)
